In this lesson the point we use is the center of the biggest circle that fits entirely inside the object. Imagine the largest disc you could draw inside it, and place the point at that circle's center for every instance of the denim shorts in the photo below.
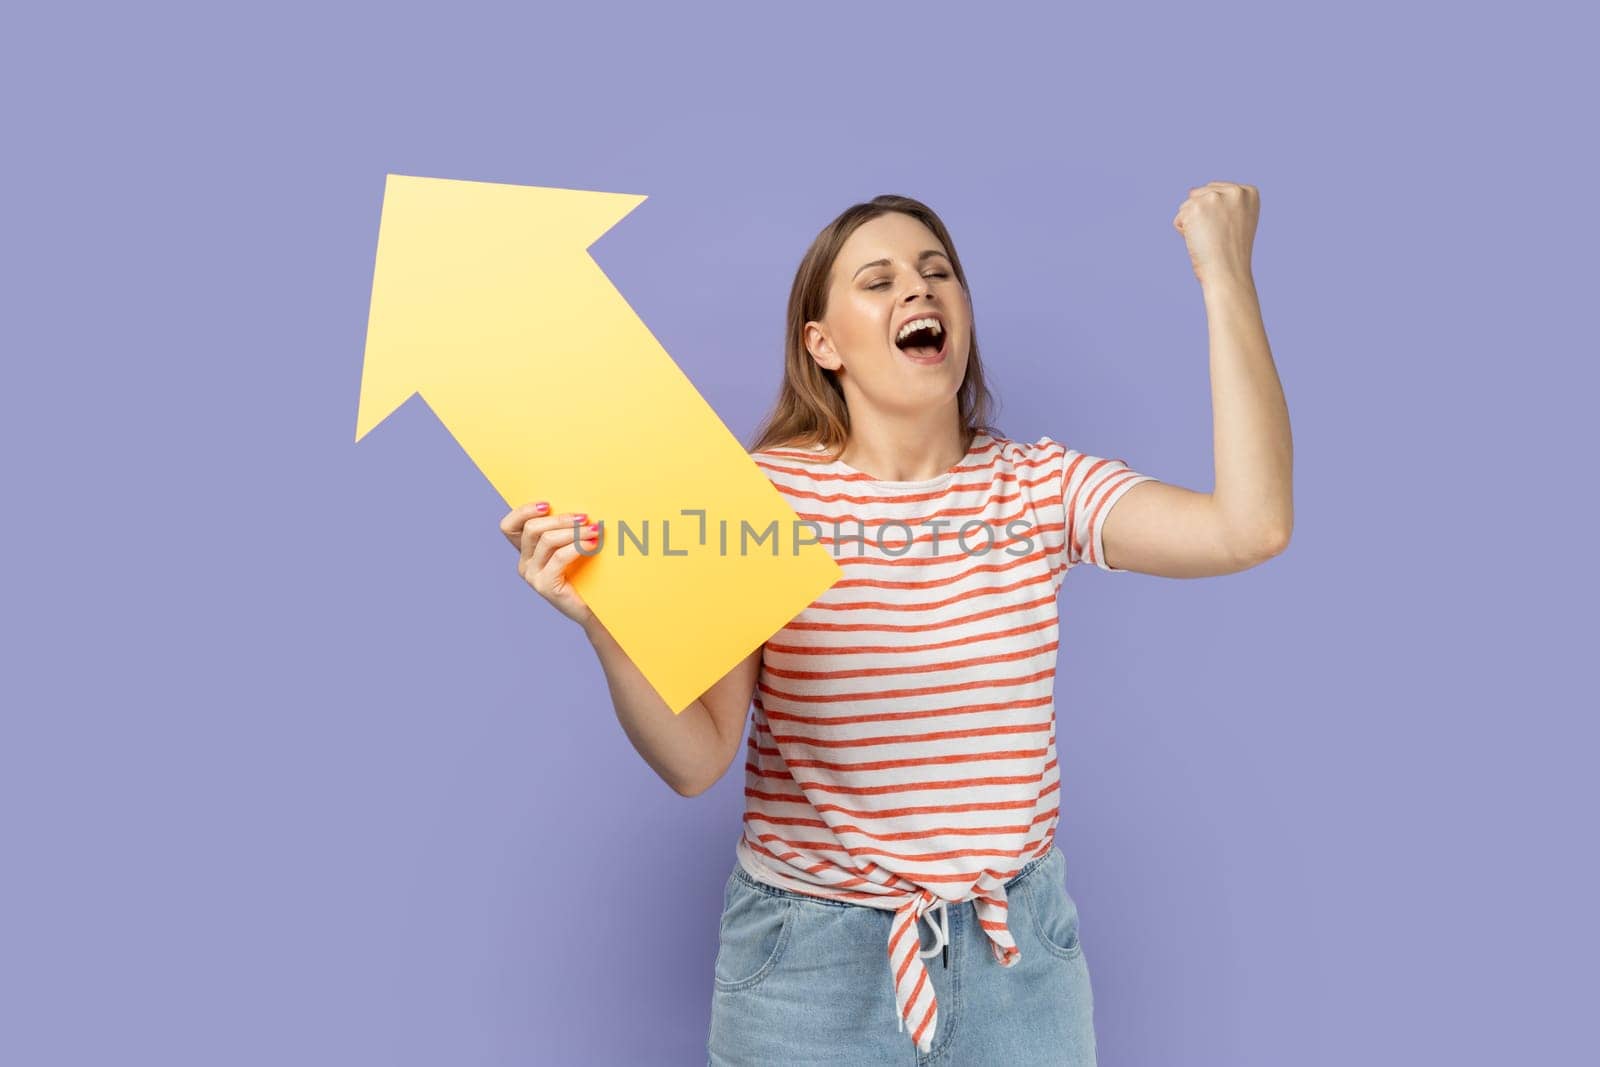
(802, 980)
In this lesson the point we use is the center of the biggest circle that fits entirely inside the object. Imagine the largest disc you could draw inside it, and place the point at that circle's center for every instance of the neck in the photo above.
(906, 449)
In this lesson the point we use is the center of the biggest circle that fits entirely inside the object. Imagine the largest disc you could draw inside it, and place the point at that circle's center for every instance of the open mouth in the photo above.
(925, 342)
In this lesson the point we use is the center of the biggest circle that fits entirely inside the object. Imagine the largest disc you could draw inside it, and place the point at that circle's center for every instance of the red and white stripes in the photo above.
(902, 748)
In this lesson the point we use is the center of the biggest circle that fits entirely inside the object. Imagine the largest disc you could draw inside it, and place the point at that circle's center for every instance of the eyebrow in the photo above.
(926, 254)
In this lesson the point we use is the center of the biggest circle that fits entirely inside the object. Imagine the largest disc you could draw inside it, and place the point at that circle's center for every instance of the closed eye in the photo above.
(931, 274)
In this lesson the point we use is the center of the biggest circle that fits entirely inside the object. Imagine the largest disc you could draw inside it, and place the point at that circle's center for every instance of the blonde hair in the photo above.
(810, 409)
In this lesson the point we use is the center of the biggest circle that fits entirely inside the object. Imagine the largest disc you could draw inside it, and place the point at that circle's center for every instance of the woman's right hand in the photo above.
(549, 547)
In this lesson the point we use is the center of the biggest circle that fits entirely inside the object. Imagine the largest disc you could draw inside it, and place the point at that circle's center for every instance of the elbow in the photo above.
(703, 778)
(1250, 535)
(1273, 541)
(693, 787)
(1261, 545)
(1278, 538)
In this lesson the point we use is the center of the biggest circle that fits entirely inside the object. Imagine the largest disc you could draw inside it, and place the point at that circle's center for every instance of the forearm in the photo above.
(1254, 454)
(684, 749)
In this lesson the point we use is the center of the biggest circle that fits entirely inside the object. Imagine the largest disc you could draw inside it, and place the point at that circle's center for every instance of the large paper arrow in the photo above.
(486, 302)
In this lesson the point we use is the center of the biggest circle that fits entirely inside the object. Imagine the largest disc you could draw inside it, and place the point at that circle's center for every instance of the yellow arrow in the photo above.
(486, 301)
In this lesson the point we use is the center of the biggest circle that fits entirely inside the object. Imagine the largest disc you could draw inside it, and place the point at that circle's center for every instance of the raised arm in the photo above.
(1158, 528)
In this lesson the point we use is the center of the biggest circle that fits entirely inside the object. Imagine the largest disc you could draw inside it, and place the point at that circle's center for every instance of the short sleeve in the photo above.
(1089, 487)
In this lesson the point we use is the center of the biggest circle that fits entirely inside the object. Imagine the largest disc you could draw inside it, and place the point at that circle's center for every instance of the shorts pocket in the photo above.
(1053, 911)
(754, 932)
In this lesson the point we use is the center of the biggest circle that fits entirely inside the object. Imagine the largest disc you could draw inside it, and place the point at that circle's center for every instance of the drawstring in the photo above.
(915, 1003)
(941, 932)
(941, 939)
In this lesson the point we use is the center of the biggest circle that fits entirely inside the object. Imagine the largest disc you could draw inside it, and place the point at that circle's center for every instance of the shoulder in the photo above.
(791, 468)
(781, 447)
(1035, 455)
(789, 453)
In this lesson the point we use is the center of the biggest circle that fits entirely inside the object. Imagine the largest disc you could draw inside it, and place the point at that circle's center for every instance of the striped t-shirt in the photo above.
(902, 753)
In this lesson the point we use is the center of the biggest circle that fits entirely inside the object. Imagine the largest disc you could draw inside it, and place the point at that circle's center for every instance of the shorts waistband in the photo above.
(777, 891)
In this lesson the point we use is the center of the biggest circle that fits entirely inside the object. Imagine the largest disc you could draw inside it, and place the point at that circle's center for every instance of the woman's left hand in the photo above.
(1218, 223)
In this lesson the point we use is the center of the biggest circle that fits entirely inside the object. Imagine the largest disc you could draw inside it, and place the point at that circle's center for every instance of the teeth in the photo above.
(916, 324)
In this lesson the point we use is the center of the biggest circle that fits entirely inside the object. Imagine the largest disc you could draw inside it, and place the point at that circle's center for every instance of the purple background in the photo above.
(296, 770)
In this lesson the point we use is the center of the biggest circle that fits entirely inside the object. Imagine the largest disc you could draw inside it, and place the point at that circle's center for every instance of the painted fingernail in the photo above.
(582, 517)
(541, 506)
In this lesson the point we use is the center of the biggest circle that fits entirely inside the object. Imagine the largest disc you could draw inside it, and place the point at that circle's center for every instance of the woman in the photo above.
(901, 765)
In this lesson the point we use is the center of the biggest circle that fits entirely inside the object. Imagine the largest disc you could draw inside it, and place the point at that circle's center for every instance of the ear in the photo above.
(821, 347)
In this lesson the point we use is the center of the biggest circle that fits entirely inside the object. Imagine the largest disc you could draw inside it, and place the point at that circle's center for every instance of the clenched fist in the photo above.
(1218, 223)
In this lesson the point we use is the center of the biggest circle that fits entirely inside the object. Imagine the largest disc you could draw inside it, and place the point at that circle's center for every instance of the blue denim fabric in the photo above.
(801, 980)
